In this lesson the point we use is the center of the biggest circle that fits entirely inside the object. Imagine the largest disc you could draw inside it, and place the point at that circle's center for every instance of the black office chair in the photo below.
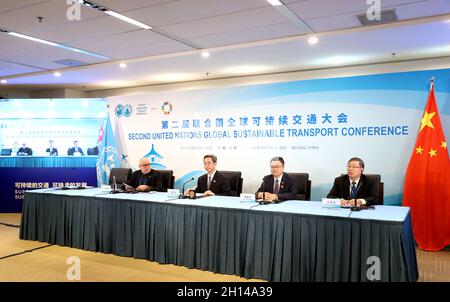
(377, 179)
(168, 180)
(236, 182)
(379, 184)
(6, 152)
(90, 151)
(121, 174)
(303, 185)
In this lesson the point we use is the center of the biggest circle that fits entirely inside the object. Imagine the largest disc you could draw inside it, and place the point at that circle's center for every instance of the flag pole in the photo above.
(432, 83)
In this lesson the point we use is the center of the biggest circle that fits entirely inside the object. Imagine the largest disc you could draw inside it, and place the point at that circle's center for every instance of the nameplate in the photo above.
(173, 193)
(331, 202)
(247, 197)
(105, 188)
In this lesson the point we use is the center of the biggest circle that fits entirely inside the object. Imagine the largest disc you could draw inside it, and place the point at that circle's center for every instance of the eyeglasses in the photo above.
(276, 167)
(353, 167)
(144, 165)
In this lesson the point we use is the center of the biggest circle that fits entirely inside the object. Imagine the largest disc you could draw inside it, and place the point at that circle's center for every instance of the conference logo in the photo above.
(155, 158)
(123, 110)
(166, 108)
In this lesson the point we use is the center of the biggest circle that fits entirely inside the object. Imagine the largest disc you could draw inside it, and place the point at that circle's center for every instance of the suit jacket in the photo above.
(220, 184)
(25, 151)
(153, 179)
(71, 151)
(53, 152)
(367, 189)
(288, 187)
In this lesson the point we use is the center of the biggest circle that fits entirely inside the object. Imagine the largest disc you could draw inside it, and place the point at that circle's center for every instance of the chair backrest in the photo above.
(121, 174)
(303, 185)
(377, 180)
(6, 152)
(90, 151)
(378, 184)
(168, 180)
(236, 181)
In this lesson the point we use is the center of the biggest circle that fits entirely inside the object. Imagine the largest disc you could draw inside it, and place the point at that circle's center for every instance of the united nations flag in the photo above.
(108, 156)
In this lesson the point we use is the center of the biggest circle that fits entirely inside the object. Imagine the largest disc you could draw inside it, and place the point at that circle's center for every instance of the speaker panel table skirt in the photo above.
(292, 241)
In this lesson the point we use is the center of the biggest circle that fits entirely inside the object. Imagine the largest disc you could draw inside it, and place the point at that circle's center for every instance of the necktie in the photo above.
(209, 181)
(276, 189)
(353, 193)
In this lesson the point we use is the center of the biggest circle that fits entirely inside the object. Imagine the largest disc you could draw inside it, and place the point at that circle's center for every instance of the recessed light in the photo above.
(313, 40)
(57, 74)
(205, 54)
(4, 81)
(275, 2)
(123, 65)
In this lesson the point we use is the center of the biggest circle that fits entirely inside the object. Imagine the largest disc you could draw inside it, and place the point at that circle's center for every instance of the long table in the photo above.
(290, 241)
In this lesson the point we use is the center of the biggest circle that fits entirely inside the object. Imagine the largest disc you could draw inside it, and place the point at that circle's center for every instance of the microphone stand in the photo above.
(182, 196)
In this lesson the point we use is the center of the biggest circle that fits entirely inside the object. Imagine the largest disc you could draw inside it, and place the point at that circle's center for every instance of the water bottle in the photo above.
(114, 184)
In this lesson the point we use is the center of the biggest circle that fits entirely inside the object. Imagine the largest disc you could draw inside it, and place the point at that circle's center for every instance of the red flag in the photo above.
(427, 182)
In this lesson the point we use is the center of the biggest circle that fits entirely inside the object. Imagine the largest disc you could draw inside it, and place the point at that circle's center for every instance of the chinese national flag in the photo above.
(427, 182)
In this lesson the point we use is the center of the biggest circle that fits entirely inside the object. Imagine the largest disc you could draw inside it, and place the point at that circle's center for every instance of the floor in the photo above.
(22, 260)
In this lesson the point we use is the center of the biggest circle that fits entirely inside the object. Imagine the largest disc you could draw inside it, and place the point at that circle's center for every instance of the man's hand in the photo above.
(209, 193)
(347, 203)
(143, 188)
(270, 197)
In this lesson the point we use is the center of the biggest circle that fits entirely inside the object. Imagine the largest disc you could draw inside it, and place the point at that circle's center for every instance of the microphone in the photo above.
(114, 188)
(263, 186)
(355, 208)
(182, 196)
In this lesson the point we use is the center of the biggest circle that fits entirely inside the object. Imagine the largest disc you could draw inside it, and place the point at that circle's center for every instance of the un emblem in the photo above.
(122, 110)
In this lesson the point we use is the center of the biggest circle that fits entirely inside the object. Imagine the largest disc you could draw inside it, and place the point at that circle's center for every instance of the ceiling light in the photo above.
(127, 19)
(4, 81)
(57, 74)
(275, 2)
(123, 65)
(313, 40)
(34, 39)
(205, 54)
(31, 38)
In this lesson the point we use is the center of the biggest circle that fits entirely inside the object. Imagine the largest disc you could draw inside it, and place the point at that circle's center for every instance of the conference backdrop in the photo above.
(315, 125)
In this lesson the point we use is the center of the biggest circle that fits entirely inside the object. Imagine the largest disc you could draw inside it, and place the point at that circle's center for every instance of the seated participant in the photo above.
(146, 179)
(24, 151)
(354, 186)
(278, 186)
(75, 150)
(52, 151)
(213, 182)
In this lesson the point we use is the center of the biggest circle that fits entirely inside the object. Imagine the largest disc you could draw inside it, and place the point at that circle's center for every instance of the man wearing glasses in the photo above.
(146, 179)
(213, 182)
(278, 186)
(355, 186)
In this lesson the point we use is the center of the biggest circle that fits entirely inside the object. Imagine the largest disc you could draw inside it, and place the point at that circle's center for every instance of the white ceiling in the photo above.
(242, 36)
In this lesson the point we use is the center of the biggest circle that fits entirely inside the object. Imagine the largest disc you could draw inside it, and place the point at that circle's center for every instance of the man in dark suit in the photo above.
(355, 186)
(213, 182)
(52, 151)
(24, 151)
(146, 179)
(75, 149)
(278, 186)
